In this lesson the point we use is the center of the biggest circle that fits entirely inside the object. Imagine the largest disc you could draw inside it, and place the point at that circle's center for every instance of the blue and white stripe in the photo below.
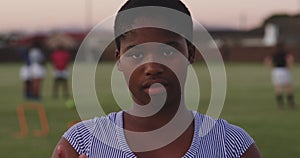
(103, 137)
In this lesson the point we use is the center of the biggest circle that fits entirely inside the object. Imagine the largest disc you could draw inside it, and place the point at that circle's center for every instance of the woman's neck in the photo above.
(135, 119)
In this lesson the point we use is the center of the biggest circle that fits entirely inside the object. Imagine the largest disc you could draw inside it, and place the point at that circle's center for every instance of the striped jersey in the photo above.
(103, 137)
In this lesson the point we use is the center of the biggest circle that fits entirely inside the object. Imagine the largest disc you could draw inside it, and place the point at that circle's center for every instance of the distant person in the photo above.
(37, 70)
(25, 74)
(281, 62)
(60, 60)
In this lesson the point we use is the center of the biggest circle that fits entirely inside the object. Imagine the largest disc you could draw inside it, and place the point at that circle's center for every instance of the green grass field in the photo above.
(249, 103)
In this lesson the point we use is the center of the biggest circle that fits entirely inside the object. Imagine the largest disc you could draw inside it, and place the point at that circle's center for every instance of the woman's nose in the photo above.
(153, 69)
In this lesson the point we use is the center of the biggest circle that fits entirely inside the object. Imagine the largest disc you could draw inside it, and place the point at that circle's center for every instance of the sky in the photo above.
(40, 15)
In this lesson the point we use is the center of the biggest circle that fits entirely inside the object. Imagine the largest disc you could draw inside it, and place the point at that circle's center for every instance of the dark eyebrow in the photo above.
(171, 43)
(129, 47)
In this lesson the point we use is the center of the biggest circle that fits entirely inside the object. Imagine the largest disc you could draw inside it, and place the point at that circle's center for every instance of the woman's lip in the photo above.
(155, 89)
(150, 83)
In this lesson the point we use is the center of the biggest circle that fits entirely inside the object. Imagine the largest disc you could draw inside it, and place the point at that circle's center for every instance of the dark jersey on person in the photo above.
(279, 59)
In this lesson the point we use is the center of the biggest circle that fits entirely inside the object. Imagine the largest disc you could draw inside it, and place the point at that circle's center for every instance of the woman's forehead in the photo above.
(142, 21)
(146, 35)
(150, 32)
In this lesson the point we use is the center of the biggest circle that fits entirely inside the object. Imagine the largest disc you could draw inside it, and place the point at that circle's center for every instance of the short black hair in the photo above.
(122, 21)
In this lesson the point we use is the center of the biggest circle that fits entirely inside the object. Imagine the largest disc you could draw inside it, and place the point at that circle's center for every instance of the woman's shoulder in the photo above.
(218, 123)
(236, 140)
(80, 134)
(90, 124)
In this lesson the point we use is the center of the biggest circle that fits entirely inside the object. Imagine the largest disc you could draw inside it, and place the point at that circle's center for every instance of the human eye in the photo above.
(135, 55)
(167, 52)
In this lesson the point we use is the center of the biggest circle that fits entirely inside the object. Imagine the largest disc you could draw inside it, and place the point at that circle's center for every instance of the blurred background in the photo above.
(48, 34)
(246, 30)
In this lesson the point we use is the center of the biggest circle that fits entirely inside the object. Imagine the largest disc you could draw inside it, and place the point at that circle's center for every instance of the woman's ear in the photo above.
(118, 56)
(191, 53)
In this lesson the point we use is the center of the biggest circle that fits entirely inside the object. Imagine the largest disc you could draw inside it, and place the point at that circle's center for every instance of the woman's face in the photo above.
(153, 61)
